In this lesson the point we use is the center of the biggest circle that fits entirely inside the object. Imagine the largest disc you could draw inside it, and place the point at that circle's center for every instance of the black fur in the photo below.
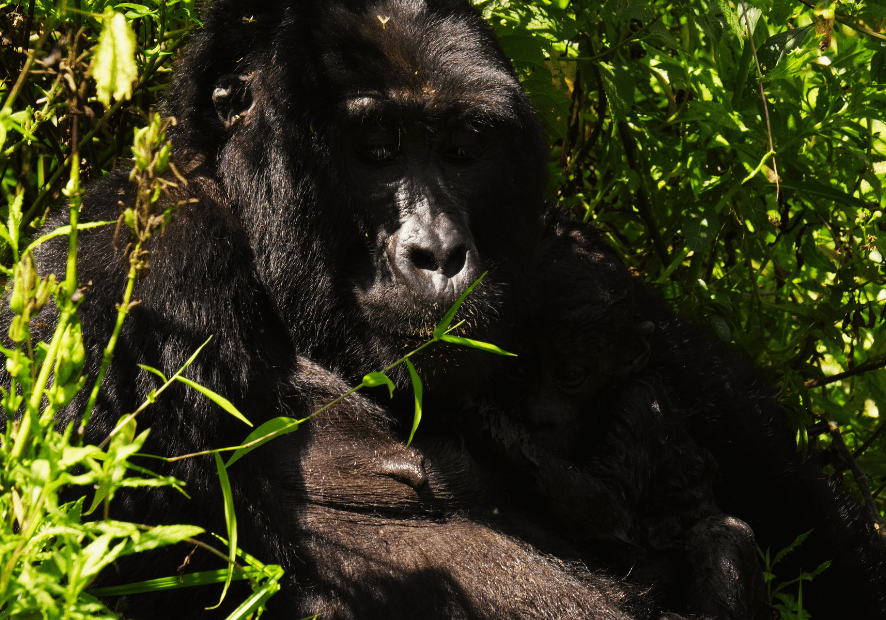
(354, 165)
(594, 440)
(349, 164)
(663, 431)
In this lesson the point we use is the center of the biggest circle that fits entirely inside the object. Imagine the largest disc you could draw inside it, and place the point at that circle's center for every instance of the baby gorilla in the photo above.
(605, 456)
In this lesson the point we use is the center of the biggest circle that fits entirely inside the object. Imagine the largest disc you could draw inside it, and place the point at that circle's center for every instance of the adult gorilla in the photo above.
(355, 164)
(352, 167)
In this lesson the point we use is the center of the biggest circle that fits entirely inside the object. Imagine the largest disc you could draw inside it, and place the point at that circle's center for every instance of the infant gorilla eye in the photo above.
(572, 378)
(464, 145)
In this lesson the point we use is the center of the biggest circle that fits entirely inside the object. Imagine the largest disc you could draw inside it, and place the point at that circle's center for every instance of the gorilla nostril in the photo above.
(455, 262)
(423, 259)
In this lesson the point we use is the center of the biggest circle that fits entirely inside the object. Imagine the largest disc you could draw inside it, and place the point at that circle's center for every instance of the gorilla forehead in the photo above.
(430, 56)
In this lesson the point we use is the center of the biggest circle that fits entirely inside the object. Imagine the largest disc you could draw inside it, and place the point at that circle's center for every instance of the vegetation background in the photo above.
(733, 151)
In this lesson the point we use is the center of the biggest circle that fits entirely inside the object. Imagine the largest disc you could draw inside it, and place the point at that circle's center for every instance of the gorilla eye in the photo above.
(464, 146)
(572, 378)
(378, 146)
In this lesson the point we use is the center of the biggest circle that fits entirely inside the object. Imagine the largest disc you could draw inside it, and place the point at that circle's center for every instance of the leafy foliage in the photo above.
(735, 153)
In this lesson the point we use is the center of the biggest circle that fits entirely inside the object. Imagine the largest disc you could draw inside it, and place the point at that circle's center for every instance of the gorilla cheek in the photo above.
(433, 258)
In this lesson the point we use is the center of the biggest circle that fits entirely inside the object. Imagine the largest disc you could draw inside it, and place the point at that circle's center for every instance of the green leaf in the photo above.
(701, 231)
(230, 524)
(153, 370)
(14, 222)
(475, 344)
(218, 399)
(776, 47)
(797, 542)
(618, 84)
(113, 65)
(266, 432)
(259, 597)
(873, 463)
(417, 390)
(829, 193)
(444, 323)
(878, 67)
(162, 535)
(374, 379)
(175, 582)
(65, 231)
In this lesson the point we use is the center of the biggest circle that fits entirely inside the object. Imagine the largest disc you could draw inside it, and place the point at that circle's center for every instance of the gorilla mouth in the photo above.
(411, 321)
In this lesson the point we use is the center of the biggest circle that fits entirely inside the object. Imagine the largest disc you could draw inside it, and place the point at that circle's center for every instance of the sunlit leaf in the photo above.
(374, 379)
(417, 390)
(444, 323)
(218, 399)
(113, 66)
(266, 432)
(230, 524)
(475, 344)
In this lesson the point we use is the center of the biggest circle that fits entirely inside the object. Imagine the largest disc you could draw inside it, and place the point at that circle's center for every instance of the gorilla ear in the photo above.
(232, 98)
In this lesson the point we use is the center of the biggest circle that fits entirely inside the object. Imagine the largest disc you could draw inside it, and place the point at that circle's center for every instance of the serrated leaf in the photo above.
(113, 65)
(618, 84)
(752, 14)
(374, 379)
(218, 399)
(700, 232)
(797, 542)
(664, 35)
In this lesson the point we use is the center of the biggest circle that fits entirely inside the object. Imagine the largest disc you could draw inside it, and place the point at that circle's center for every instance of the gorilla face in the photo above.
(398, 156)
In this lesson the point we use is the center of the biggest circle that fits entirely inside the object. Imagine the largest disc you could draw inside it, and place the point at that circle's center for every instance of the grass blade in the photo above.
(443, 325)
(417, 390)
(218, 399)
(475, 344)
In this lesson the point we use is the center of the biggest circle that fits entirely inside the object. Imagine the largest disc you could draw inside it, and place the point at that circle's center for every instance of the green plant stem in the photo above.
(295, 423)
(747, 21)
(621, 43)
(44, 194)
(23, 74)
(849, 24)
(108, 354)
(23, 435)
(123, 422)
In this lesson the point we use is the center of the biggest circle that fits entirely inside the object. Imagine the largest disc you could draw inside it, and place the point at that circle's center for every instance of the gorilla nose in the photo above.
(434, 259)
